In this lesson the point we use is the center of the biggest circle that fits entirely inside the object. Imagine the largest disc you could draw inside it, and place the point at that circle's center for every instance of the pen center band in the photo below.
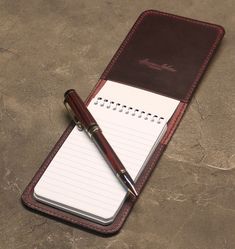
(128, 110)
(92, 129)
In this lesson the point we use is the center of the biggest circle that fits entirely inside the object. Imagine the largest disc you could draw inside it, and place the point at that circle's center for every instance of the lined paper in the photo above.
(79, 180)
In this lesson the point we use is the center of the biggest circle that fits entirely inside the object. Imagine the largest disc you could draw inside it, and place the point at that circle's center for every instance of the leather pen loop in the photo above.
(77, 122)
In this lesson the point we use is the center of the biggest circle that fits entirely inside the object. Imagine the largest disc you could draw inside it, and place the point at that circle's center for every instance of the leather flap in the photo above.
(164, 53)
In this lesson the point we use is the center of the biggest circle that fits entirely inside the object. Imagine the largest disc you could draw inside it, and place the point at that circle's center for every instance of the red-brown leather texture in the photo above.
(165, 54)
(148, 64)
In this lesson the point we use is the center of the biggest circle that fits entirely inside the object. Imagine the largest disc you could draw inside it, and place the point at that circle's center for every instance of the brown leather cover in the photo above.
(163, 53)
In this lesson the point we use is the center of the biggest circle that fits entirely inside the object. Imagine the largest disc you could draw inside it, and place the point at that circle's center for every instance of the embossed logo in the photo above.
(156, 66)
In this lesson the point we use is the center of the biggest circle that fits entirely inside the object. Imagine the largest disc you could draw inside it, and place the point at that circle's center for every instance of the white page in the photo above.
(143, 100)
(80, 181)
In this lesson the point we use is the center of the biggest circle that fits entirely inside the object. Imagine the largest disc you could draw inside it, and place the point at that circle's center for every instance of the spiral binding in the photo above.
(109, 104)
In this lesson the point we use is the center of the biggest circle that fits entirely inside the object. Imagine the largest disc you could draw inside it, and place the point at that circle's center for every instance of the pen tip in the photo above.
(129, 183)
(133, 192)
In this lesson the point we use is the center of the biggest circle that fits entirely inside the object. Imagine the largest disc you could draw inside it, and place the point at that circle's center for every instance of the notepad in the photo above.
(78, 179)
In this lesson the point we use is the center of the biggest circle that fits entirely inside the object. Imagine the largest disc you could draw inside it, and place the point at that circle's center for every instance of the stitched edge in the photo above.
(203, 66)
(26, 196)
(116, 225)
(78, 220)
(174, 122)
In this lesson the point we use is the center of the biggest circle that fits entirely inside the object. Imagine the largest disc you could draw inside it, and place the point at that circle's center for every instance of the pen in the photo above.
(84, 120)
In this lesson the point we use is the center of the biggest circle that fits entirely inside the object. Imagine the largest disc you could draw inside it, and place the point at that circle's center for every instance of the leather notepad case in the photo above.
(162, 54)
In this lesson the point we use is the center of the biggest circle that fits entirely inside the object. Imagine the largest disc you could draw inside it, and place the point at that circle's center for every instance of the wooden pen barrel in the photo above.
(108, 152)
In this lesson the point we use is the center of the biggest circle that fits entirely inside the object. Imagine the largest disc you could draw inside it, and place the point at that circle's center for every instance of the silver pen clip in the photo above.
(71, 114)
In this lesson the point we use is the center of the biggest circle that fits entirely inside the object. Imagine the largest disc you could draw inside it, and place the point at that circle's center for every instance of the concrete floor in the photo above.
(49, 46)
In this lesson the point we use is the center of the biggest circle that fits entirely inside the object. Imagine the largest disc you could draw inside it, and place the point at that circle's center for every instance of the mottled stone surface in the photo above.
(48, 46)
